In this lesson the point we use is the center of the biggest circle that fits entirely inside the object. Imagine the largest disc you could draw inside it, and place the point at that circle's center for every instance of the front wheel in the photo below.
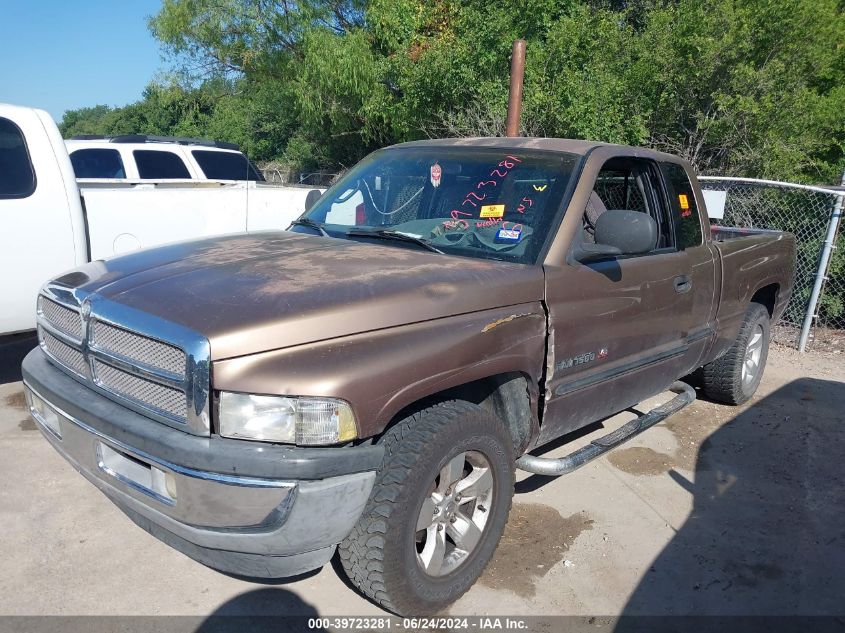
(437, 510)
(734, 377)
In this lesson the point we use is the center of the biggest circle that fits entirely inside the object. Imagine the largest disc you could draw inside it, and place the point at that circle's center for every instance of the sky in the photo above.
(64, 54)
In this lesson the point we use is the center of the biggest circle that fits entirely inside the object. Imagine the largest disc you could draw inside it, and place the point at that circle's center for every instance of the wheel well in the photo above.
(506, 396)
(767, 297)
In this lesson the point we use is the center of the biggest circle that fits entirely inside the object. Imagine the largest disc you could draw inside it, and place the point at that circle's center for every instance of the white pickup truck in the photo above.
(50, 222)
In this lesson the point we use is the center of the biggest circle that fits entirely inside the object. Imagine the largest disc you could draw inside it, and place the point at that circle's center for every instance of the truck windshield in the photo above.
(492, 203)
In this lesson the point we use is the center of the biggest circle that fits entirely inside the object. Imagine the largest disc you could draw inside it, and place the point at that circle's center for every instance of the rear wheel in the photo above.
(437, 510)
(734, 377)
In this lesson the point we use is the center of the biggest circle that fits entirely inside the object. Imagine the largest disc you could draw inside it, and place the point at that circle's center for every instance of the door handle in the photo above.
(683, 284)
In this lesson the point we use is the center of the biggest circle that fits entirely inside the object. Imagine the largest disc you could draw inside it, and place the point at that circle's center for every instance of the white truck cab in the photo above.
(52, 219)
(43, 224)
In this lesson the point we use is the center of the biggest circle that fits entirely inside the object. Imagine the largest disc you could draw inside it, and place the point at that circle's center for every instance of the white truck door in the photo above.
(42, 230)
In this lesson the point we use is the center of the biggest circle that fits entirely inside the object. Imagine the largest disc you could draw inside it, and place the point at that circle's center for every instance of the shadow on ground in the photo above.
(266, 609)
(12, 351)
(766, 535)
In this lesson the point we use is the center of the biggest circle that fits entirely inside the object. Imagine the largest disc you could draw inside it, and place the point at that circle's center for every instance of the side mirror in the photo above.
(311, 198)
(631, 232)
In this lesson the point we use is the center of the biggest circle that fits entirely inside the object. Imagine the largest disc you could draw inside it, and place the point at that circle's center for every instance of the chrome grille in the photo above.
(121, 352)
(62, 318)
(62, 352)
(171, 402)
(134, 347)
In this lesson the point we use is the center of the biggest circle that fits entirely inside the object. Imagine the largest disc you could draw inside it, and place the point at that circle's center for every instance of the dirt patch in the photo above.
(691, 428)
(536, 538)
(16, 400)
(639, 460)
(27, 424)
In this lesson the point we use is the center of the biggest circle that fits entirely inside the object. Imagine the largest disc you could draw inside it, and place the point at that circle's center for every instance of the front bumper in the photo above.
(248, 514)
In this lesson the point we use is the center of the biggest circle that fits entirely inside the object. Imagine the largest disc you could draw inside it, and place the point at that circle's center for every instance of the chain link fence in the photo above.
(282, 174)
(815, 317)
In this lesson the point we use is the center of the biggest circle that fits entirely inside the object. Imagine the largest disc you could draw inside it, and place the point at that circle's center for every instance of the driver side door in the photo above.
(618, 325)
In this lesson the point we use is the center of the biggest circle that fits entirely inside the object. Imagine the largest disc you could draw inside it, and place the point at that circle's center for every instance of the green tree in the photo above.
(84, 121)
(743, 87)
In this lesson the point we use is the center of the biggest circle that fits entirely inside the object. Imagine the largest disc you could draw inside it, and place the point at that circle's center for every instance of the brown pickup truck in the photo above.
(369, 380)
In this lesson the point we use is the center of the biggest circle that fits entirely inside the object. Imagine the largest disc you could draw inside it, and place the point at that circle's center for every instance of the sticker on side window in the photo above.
(684, 202)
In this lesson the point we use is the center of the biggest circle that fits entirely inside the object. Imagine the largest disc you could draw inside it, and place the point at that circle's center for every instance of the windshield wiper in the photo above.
(399, 236)
(311, 224)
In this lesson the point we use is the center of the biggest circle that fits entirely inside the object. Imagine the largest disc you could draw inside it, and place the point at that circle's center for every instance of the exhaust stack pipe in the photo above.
(515, 93)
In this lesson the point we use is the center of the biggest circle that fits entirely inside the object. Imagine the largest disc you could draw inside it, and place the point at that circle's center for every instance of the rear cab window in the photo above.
(683, 205)
(97, 163)
(159, 165)
(225, 165)
(17, 177)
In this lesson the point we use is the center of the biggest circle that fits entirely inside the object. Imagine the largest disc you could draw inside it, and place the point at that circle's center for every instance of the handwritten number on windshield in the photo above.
(525, 201)
(474, 195)
(507, 164)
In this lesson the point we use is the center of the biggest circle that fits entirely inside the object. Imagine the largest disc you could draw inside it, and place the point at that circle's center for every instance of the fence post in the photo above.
(824, 261)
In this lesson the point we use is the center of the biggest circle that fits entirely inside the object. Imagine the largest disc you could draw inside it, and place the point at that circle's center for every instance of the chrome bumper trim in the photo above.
(222, 515)
(231, 480)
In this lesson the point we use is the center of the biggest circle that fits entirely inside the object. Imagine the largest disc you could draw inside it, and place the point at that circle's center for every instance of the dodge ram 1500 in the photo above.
(369, 381)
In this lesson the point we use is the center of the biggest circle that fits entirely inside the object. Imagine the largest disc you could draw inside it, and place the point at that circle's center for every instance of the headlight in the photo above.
(303, 421)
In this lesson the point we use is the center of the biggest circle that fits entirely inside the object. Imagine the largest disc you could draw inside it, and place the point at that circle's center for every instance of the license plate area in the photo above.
(137, 474)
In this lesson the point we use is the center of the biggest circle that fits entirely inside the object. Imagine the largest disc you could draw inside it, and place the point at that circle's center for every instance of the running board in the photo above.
(562, 466)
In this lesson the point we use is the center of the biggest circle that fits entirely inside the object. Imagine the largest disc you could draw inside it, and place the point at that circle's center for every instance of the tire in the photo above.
(724, 379)
(385, 556)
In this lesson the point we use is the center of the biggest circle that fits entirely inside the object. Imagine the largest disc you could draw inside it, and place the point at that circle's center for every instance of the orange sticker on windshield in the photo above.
(492, 211)
(682, 198)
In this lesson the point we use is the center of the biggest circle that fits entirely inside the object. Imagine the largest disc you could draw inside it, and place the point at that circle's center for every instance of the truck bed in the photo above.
(751, 260)
(126, 216)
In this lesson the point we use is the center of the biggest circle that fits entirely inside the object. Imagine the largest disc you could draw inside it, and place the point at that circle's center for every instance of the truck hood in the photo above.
(263, 291)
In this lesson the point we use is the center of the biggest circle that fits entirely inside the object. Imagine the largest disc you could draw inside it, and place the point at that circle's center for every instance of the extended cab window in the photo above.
(684, 208)
(491, 203)
(160, 165)
(632, 184)
(97, 163)
(17, 178)
(225, 165)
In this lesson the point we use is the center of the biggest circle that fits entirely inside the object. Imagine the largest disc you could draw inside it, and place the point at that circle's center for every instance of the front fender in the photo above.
(381, 372)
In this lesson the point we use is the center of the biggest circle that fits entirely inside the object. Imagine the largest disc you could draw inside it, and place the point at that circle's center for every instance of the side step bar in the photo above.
(600, 446)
